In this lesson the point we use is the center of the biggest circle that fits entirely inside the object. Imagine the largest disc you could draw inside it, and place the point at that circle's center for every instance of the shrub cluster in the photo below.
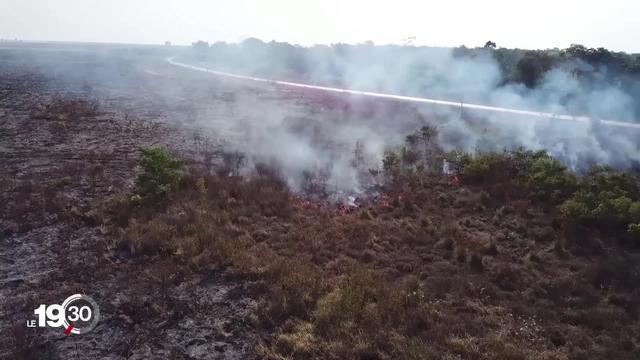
(419, 157)
(603, 197)
(545, 178)
(160, 172)
(606, 198)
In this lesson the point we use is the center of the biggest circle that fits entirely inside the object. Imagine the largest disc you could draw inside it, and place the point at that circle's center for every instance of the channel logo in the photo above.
(78, 314)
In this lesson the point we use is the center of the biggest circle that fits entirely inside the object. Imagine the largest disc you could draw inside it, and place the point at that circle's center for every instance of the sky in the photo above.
(533, 24)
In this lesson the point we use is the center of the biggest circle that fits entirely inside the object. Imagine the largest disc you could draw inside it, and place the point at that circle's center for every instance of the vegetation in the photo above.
(607, 199)
(604, 198)
(509, 255)
(160, 172)
(436, 273)
(542, 177)
(525, 67)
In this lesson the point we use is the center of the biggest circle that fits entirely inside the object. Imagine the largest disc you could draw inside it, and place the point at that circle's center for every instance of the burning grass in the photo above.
(436, 269)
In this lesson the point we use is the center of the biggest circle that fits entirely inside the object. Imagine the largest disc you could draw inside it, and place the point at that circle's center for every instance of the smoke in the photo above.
(331, 140)
(310, 136)
(311, 142)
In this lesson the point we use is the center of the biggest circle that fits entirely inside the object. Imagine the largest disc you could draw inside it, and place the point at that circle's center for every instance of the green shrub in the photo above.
(160, 173)
(575, 209)
(602, 178)
(549, 180)
(546, 175)
(605, 197)
(489, 168)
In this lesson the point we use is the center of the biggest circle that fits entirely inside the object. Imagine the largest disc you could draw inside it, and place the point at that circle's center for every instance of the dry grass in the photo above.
(64, 109)
(421, 278)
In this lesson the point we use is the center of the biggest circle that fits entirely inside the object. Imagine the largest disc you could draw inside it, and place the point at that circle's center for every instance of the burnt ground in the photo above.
(73, 122)
(468, 273)
(54, 167)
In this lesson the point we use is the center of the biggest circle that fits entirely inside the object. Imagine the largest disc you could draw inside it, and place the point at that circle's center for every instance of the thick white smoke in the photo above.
(302, 137)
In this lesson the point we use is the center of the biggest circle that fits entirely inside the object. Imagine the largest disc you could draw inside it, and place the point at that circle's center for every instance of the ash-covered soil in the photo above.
(72, 124)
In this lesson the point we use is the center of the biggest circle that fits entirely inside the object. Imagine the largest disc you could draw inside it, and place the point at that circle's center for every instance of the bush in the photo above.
(544, 175)
(575, 209)
(549, 180)
(607, 198)
(489, 168)
(161, 171)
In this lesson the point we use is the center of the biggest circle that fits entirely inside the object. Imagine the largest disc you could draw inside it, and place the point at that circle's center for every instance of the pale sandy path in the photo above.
(459, 105)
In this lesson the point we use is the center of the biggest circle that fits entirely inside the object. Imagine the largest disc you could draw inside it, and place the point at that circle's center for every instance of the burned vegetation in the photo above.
(506, 255)
(442, 255)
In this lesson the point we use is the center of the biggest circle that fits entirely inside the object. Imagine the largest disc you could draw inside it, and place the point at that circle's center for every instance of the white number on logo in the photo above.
(42, 317)
(84, 313)
(55, 314)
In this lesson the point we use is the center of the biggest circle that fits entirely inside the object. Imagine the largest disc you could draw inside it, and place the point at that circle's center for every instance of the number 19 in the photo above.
(54, 314)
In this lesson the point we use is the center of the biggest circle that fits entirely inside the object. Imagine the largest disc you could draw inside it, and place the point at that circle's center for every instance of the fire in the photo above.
(305, 204)
(383, 202)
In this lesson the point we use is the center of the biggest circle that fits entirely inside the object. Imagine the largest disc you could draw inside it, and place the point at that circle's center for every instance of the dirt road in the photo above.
(534, 115)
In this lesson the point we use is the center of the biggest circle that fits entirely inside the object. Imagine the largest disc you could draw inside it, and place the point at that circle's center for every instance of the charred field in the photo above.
(235, 256)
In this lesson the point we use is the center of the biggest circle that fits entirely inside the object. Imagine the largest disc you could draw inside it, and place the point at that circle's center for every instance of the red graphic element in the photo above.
(69, 328)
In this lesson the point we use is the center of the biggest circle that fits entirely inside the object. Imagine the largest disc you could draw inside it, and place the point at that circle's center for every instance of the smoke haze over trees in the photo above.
(567, 78)
(576, 81)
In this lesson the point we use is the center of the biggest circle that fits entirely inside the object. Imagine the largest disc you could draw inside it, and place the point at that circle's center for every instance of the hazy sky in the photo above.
(614, 24)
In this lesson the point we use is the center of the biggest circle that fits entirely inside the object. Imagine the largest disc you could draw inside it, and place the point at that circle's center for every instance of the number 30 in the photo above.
(84, 313)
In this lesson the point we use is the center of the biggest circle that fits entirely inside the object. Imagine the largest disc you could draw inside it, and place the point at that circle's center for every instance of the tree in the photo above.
(160, 172)
(200, 49)
(532, 67)
(252, 43)
(490, 45)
